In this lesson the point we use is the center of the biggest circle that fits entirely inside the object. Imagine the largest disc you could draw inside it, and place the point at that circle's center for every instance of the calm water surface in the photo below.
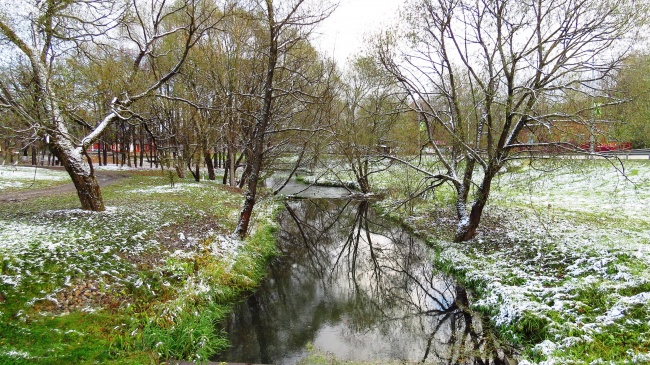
(350, 283)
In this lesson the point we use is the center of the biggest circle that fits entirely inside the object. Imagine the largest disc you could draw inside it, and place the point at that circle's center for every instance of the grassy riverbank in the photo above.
(144, 281)
(562, 262)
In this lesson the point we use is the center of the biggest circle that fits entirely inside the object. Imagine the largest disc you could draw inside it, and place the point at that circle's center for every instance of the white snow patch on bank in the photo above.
(618, 310)
(31, 173)
(164, 189)
(19, 177)
(226, 246)
(564, 232)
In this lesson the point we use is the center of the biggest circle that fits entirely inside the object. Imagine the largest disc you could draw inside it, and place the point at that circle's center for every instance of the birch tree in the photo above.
(476, 72)
(42, 35)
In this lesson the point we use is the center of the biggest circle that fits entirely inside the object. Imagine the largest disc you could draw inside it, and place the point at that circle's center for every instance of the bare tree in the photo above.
(482, 74)
(371, 108)
(287, 25)
(43, 34)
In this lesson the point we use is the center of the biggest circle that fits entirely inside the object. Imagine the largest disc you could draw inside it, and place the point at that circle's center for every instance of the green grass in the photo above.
(316, 357)
(561, 245)
(21, 178)
(160, 304)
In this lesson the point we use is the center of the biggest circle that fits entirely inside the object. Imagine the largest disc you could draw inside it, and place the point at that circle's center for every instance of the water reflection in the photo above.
(357, 286)
(298, 190)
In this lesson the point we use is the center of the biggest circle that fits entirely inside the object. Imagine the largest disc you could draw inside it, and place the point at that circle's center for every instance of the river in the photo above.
(355, 285)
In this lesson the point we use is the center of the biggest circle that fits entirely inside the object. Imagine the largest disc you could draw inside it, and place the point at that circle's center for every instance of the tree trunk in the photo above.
(105, 153)
(225, 171)
(362, 178)
(179, 171)
(232, 166)
(34, 153)
(468, 223)
(82, 176)
(209, 165)
(254, 161)
(196, 174)
(154, 151)
(142, 148)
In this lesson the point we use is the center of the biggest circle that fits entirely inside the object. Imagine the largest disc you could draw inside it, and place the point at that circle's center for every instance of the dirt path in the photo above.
(105, 178)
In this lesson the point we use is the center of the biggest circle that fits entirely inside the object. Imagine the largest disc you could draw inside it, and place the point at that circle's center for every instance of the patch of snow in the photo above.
(639, 358)
(32, 173)
(18, 354)
(113, 167)
(546, 347)
(163, 189)
(225, 246)
(562, 233)
(618, 310)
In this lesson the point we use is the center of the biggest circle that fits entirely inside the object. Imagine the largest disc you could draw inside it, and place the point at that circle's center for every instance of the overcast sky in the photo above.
(341, 35)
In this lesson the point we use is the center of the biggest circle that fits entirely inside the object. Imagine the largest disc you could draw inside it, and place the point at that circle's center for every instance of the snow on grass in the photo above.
(225, 246)
(161, 257)
(584, 188)
(568, 256)
(118, 167)
(162, 189)
(16, 354)
(31, 173)
(21, 177)
(45, 249)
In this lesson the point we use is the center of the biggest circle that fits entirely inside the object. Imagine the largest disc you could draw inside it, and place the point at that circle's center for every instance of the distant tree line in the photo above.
(236, 85)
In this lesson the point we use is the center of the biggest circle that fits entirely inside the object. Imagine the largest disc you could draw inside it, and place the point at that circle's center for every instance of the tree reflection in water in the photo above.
(359, 287)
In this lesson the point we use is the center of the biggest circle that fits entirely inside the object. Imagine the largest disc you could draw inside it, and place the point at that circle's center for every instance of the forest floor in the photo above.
(140, 283)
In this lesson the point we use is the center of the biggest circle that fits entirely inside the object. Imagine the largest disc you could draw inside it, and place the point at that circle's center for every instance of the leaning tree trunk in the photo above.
(82, 176)
(179, 170)
(254, 162)
(469, 222)
(196, 173)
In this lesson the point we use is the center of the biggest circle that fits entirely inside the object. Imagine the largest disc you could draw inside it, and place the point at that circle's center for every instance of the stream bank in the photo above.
(354, 285)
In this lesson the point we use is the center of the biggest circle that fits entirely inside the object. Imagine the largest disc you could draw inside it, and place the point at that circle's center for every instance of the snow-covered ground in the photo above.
(571, 254)
(69, 242)
(153, 238)
(21, 177)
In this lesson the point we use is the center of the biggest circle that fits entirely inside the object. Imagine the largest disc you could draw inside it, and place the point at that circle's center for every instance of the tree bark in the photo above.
(261, 125)
(179, 171)
(34, 153)
(196, 174)
(468, 223)
(226, 169)
(82, 176)
(209, 165)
